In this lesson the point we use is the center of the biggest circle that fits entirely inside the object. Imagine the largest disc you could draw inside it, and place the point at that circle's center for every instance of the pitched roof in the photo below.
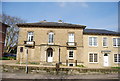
(51, 24)
(100, 32)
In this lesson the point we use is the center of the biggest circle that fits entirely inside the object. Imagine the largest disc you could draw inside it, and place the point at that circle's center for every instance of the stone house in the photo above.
(69, 44)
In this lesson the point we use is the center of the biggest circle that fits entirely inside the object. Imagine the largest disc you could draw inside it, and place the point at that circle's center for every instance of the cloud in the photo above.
(65, 4)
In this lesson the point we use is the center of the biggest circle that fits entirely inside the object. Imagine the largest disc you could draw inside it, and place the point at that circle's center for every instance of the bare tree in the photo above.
(12, 31)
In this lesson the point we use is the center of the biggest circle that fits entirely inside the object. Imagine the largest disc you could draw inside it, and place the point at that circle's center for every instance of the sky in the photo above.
(95, 15)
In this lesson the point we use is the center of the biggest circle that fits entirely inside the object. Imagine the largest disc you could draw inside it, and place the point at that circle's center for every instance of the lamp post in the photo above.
(26, 61)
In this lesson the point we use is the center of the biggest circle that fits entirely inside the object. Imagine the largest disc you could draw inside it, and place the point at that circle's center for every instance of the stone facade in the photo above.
(41, 48)
(100, 50)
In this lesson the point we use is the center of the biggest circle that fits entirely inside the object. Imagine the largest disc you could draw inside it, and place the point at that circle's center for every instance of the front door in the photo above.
(49, 55)
(106, 60)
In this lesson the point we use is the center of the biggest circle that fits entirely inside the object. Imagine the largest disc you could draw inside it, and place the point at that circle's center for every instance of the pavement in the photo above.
(57, 80)
(48, 76)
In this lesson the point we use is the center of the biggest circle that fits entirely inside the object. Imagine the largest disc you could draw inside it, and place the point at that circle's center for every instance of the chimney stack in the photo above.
(60, 21)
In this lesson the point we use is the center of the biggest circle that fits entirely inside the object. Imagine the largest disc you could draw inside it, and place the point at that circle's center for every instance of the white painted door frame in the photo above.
(106, 59)
(49, 56)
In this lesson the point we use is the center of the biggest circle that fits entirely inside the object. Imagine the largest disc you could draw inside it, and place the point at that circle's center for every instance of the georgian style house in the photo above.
(69, 44)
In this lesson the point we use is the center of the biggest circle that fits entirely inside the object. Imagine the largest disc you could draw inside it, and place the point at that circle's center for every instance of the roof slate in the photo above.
(68, 25)
(100, 31)
(51, 24)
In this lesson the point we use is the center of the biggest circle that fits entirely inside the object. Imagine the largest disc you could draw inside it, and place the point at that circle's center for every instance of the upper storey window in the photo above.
(71, 37)
(116, 42)
(30, 36)
(51, 37)
(104, 41)
(92, 41)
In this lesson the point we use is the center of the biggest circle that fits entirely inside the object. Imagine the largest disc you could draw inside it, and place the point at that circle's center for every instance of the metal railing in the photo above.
(29, 43)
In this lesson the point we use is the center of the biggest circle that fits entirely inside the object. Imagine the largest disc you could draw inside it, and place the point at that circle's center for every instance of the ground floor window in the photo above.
(71, 64)
(71, 54)
(117, 58)
(21, 49)
(93, 57)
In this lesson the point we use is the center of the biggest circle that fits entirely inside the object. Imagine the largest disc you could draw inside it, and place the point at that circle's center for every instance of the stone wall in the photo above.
(52, 70)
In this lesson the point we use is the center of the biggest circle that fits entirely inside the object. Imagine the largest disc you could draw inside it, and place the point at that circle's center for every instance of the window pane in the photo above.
(104, 41)
(90, 57)
(115, 57)
(95, 57)
(70, 64)
(70, 53)
(114, 42)
(30, 36)
(119, 58)
(118, 41)
(51, 37)
(90, 41)
(71, 37)
(95, 41)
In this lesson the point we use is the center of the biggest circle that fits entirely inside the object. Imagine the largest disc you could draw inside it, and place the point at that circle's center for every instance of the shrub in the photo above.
(4, 58)
(11, 58)
(80, 66)
(116, 67)
(7, 58)
(36, 63)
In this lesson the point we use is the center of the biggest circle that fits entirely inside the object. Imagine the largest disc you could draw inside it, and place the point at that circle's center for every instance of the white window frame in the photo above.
(50, 38)
(71, 37)
(105, 41)
(117, 58)
(93, 45)
(116, 41)
(93, 57)
(69, 55)
(30, 35)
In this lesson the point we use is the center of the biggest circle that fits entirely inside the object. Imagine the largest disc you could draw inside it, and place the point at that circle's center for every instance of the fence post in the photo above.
(57, 68)
(26, 61)
(75, 62)
(66, 62)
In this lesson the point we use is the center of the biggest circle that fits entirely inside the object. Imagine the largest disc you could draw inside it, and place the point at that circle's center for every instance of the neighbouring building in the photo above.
(69, 44)
(3, 28)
